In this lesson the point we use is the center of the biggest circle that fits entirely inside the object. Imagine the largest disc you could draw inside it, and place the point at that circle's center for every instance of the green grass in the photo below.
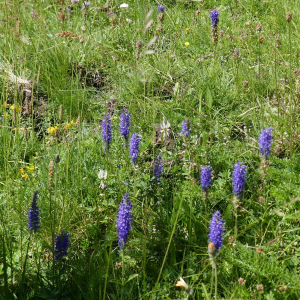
(228, 90)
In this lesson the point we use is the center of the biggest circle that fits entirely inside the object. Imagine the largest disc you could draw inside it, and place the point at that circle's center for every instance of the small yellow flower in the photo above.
(30, 168)
(187, 30)
(6, 116)
(14, 107)
(25, 176)
(21, 171)
(20, 129)
(52, 130)
(187, 44)
(6, 105)
(69, 125)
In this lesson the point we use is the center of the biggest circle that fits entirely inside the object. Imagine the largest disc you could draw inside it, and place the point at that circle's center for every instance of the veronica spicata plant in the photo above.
(62, 244)
(125, 124)
(158, 167)
(216, 231)
(134, 146)
(106, 131)
(265, 141)
(185, 129)
(34, 214)
(205, 178)
(124, 220)
(239, 179)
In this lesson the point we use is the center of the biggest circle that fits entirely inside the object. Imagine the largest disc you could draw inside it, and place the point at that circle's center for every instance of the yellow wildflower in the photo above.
(14, 107)
(21, 171)
(69, 125)
(6, 105)
(52, 130)
(6, 116)
(30, 168)
(25, 176)
(20, 129)
(187, 44)
(187, 30)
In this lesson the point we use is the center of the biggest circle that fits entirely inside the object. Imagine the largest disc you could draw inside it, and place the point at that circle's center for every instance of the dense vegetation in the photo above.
(90, 210)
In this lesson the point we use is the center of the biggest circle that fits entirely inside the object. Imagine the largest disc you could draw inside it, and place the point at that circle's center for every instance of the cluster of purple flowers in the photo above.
(265, 141)
(158, 167)
(106, 131)
(134, 146)
(62, 244)
(239, 178)
(161, 8)
(125, 123)
(34, 214)
(205, 177)
(214, 16)
(185, 128)
(124, 220)
(216, 231)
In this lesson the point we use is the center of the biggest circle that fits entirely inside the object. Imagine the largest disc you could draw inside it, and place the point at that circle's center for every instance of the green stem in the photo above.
(170, 240)
(236, 224)
(106, 273)
(122, 292)
(216, 280)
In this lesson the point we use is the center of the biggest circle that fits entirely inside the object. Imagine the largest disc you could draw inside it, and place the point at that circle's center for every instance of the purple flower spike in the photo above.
(61, 245)
(124, 220)
(158, 168)
(239, 178)
(265, 141)
(34, 214)
(216, 231)
(134, 146)
(106, 131)
(125, 123)
(214, 16)
(185, 128)
(161, 8)
(206, 177)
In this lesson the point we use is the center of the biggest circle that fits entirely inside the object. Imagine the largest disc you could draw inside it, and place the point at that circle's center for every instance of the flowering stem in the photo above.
(24, 266)
(236, 226)
(122, 291)
(216, 281)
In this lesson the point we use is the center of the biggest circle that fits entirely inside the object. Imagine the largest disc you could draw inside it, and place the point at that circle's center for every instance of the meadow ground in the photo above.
(144, 142)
